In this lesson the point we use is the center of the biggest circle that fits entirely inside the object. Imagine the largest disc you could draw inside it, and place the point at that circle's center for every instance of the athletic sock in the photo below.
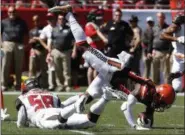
(76, 29)
(98, 107)
(70, 101)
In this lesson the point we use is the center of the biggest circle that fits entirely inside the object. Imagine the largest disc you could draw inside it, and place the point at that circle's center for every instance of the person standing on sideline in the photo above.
(13, 31)
(146, 42)
(45, 36)
(160, 51)
(119, 35)
(38, 53)
(62, 44)
(136, 48)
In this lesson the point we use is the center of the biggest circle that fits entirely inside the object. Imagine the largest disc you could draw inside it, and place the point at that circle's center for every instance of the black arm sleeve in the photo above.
(18, 104)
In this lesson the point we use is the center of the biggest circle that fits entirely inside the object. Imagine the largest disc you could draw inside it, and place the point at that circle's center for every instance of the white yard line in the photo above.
(82, 132)
(65, 93)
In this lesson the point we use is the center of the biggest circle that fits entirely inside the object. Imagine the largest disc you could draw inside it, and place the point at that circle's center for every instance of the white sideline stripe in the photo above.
(82, 132)
(65, 93)
(58, 93)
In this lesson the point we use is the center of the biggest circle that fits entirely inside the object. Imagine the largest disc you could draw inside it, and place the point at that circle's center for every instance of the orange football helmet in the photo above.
(164, 97)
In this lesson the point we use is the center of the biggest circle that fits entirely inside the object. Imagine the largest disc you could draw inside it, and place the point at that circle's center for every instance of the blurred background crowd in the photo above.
(54, 57)
(138, 4)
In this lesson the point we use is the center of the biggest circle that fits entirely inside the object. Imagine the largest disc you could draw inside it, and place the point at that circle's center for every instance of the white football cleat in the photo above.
(137, 127)
(80, 104)
(4, 115)
(62, 9)
(111, 94)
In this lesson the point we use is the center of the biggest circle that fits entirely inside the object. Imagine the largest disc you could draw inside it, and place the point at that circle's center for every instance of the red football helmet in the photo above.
(164, 97)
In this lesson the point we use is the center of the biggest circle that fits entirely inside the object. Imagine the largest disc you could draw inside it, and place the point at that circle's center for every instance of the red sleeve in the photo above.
(90, 30)
(136, 78)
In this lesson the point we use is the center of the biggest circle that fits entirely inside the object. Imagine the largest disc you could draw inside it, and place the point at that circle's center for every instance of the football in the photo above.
(144, 120)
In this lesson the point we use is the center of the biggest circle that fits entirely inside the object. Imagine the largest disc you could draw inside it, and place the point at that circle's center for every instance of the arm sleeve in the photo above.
(22, 117)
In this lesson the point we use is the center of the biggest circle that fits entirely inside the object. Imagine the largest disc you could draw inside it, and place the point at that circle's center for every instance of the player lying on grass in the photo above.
(39, 108)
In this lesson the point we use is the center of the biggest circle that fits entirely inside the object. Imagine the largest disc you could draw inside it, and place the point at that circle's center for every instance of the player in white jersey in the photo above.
(43, 109)
(40, 108)
(175, 33)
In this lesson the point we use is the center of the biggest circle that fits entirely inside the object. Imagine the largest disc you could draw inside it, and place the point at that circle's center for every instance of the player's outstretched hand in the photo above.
(150, 83)
(180, 39)
(4, 115)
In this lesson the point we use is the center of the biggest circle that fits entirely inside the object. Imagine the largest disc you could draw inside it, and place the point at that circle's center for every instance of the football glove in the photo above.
(180, 39)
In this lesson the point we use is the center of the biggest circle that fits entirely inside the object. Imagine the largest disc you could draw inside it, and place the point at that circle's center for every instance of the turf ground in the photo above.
(111, 121)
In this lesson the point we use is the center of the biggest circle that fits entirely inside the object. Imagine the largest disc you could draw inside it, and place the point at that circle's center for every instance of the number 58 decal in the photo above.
(41, 101)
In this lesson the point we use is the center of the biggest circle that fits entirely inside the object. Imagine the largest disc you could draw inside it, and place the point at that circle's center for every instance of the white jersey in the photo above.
(99, 62)
(36, 100)
(178, 47)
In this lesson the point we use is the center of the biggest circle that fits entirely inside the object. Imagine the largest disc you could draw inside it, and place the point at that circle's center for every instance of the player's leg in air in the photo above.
(105, 66)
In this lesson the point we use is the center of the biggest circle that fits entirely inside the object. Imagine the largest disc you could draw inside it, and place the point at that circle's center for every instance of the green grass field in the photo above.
(111, 121)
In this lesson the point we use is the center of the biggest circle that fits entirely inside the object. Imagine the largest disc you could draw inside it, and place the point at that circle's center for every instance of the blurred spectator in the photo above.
(162, 4)
(37, 53)
(46, 37)
(141, 4)
(146, 42)
(37, 4)
(136, 48)
(62, 41)
(13, 31)
(94, 37)
(19, 3)
(160, 51)
(119, 35)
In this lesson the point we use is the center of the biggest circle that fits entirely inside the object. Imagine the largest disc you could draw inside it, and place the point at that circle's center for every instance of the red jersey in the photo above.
(92, 38)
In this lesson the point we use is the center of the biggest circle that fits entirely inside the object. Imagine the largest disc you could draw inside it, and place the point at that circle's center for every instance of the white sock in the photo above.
(98, 107)
(68, 111)
(70, 101)
(76, 29)
(126, 107)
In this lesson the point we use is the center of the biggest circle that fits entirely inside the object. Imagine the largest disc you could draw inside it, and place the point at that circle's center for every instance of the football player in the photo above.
(94, 37)
(105, 66)
(155, 99)
(41, 108)
(175, 33)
